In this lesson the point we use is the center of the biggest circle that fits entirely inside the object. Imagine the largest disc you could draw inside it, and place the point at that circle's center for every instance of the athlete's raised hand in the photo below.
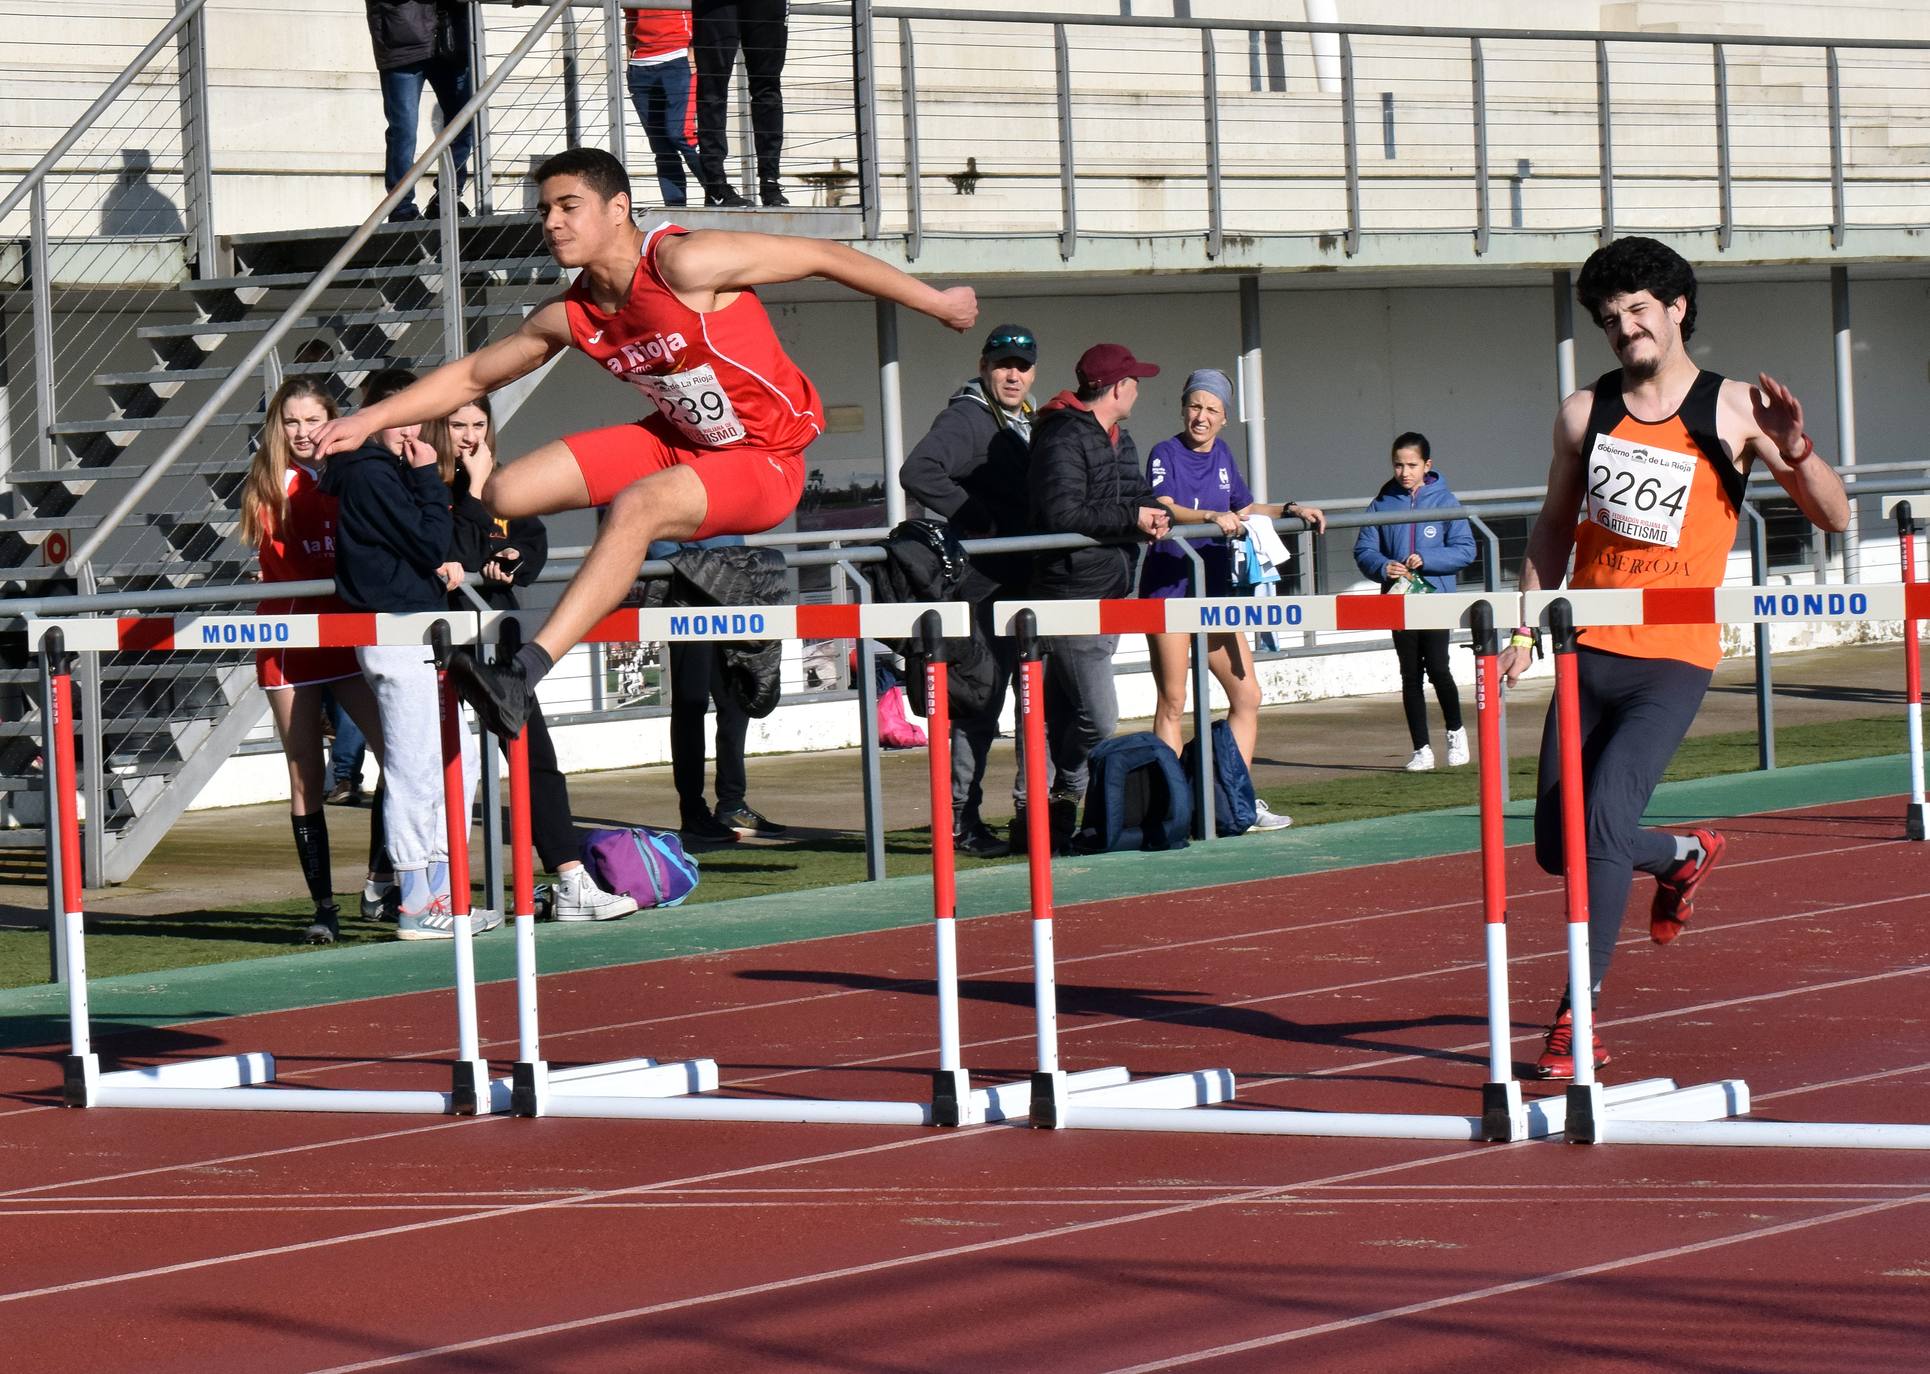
(958, 308)
(1779, 415)
(342, 434)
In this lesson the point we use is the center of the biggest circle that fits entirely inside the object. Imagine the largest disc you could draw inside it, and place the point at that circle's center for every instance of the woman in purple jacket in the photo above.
(1195, 477)
(1429, 553)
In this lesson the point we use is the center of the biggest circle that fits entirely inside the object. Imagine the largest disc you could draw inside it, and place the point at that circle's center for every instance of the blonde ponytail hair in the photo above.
(264, 495)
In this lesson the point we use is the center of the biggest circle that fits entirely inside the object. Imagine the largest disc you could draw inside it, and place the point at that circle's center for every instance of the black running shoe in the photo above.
(705, 829)
(325, 927)
(723, 197)
(975, 840)
(501, 695)
(745, 821)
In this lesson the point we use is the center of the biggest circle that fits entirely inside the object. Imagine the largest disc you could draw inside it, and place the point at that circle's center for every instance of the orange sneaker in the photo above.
(1675, 891)
(1558, 1052)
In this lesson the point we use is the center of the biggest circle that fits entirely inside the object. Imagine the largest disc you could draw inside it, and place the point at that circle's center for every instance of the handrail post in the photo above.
(1351, 139)
(868, 744)
(94, 760)
(1837, 212)
(572, 81)
(616, 58)
(1215, 198)
(865, 107)
(454, 340)
(43, 322)
(197, 150)
(908, 110)
(1068, 169)
(1765, 685)
(1605, 139)
(1725, 184)
(478, 66)
(1479, 67)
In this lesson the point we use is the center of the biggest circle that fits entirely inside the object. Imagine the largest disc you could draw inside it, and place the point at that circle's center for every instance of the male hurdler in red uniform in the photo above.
(675, 314)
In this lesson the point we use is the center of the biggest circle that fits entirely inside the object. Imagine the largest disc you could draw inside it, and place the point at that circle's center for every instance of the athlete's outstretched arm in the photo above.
(1812, 483)
(454, 385)
(717, 261)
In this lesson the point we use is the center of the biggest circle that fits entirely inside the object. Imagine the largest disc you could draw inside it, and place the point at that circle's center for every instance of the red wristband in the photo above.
(1808, 453)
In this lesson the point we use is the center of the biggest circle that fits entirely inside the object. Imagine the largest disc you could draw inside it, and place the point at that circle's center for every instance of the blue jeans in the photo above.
(345, 757)
(661, 93)
(402, 108)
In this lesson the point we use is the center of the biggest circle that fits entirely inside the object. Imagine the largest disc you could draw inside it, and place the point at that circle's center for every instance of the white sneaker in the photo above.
(1265, 818)
(1423, 760)
(576, 897)
(1457, 748)
(437, 922)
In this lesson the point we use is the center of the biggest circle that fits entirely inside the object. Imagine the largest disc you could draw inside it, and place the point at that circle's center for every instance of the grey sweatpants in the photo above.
(403, 678)
(1634, 713)
(1081, 709)
(973, 733)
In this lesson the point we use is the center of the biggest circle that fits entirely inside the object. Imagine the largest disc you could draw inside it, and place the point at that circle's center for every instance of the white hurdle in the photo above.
(1706, 1113)
(1916, 815)
(247, 1081)
(643, 1088)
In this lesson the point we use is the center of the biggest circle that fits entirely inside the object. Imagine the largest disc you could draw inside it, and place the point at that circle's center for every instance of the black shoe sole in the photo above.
(501, 699)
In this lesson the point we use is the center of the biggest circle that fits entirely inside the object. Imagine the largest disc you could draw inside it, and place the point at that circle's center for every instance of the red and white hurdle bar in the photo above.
(1703, 1114)
(644, 1089)
(241, 1082)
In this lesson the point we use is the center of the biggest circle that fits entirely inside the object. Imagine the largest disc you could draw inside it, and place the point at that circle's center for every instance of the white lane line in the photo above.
(1520, 1286)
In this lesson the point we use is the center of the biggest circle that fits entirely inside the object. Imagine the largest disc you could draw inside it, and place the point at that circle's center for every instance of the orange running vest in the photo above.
(1659, 509)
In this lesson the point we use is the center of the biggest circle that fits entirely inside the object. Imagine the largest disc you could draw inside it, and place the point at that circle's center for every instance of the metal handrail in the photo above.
(139, 488)
(38, 172)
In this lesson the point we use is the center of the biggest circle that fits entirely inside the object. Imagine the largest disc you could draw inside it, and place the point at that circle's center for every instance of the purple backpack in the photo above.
(649, 865)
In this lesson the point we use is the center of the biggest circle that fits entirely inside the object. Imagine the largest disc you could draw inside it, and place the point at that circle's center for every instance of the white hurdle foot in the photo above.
(230, 1071)
(1013, 1101)
(1548, 1116)
(1200, 1088)
(1787, 1135)
(1703, 1102)
(634, 1078)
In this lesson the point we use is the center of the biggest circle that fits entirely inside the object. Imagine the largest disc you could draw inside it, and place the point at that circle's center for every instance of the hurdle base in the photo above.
(1584, 1111)
(953, 1102)
(1503, 1116)
(1049, 1093)
(468, 1087)
(1166, 1092)
(1916, 820)
(80, 1080)
(1013, 1101)
(529, 1088)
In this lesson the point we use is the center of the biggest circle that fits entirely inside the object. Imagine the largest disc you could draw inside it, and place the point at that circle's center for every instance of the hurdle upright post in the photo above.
(1584, 1093)
(951, 1084)
(470, 1081)
(529, 1077)
(1503, 1115)
(1049, 1092)
(1916, 819)
(80, 1068)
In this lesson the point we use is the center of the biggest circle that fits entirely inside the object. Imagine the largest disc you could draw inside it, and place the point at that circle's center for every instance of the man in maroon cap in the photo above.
(1085, 478)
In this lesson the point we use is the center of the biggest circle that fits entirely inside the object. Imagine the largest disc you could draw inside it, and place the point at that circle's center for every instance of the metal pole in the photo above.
(454, 344)
(1837, 213)
(478, 64)
(1215, 204)
(43, 319)
(1205, 813)
(617, 53)
(1605, 140)
(1725, 184)
(49, 791)
(1491, 582)
(1481, 213)
(1765, 685)
(1351, 139)
(1915, 814)
(197, 171)
(868, 746)
(1253, 395)
(94, 760)
(572, 84)
(1068, 191)
(1839, 301)
(891, 410)
(865, 77)
(1564, 337)
(908, 108)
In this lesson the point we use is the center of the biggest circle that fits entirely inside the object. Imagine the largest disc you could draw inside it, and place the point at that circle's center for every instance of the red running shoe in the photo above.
(1675, 891)
(1558, 1053)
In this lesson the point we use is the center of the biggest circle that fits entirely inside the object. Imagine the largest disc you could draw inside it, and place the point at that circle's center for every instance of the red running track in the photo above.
(159, 1241)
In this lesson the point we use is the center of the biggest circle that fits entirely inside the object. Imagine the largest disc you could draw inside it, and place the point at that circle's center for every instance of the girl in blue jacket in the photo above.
(1432, 552)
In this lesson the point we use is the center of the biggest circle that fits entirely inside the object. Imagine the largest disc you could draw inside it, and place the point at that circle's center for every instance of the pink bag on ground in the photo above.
(896, 730)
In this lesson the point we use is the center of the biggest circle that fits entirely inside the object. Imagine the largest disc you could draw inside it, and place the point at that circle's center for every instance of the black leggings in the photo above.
(1418, 649)
(696, 680)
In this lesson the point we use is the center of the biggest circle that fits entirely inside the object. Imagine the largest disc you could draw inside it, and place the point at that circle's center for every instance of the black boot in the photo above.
(723, 196)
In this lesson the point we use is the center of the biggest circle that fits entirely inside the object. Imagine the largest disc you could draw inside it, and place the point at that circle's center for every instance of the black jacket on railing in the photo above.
(1082, 481)
(404, 32)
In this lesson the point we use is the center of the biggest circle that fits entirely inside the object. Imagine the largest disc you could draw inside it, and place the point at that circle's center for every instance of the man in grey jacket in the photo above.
(418, 41)
(970, 469)
(1085, 479)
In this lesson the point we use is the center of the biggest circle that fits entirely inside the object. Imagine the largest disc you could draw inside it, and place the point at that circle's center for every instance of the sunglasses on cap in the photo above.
(1023, 343)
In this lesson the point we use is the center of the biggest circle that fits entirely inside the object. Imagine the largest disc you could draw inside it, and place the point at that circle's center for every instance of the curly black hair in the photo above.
(1637, 264)
(600, 171)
